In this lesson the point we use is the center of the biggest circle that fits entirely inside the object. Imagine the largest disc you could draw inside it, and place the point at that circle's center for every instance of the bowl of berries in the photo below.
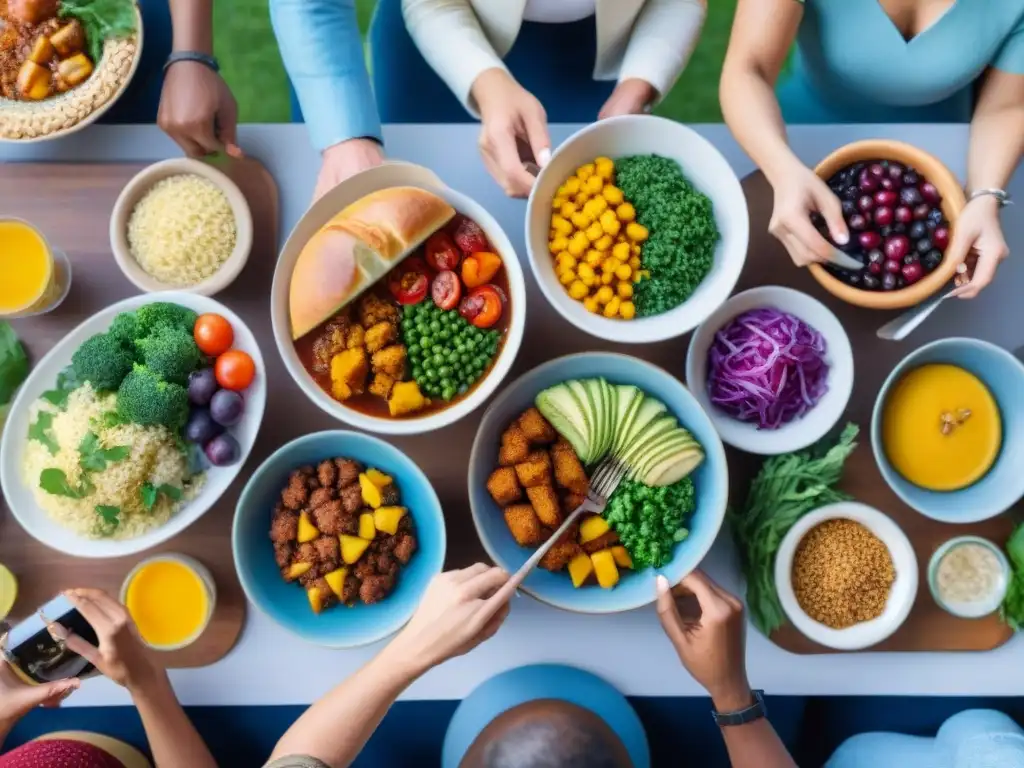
(900, 204)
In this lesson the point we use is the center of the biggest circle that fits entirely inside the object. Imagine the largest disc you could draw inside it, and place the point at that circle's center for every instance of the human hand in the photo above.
(198, 111)
(979, 244)
(711, 646)
(454, 617)
(510, 116)
(121, 655)
(632, 96)
(18, 698)
(346, 159)
(798, 193)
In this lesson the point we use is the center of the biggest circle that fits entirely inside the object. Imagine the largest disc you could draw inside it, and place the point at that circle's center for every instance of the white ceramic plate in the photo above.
(814, 424)
(901, 595)
(44, 376)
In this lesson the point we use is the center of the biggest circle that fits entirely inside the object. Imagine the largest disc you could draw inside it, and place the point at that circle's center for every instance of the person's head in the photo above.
(547, 733)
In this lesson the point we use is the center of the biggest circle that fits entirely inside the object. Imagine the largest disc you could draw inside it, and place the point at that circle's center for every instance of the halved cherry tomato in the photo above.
(409, 281)
(446, 289)
(479, 268)
(234, 370)
(482, 307)
(441, 252)
(213, 334)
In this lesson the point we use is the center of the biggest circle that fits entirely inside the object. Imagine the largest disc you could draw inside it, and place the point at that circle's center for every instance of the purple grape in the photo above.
(903, 214)
(912, 273)
(883, 216)
(930, 193)
(223, 450)
(227, 407)
(200, 427)
(202, 385)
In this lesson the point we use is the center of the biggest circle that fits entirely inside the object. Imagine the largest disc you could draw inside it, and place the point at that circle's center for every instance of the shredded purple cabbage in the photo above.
(767, 366)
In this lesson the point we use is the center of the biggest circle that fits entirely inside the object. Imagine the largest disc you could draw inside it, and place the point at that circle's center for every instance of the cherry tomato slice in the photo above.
(441, 252)
(446, 289)
(213, 334)
(234, 370)
(482, 307)
(409, 282)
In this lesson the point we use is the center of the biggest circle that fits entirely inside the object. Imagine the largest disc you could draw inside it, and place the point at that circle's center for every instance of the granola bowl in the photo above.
(25, 122)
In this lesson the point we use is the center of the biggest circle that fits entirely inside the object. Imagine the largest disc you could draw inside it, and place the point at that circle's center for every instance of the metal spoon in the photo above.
(907, 323)
(843, 261)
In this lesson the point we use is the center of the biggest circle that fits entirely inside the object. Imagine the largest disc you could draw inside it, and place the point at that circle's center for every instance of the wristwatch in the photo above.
(1001, 195)
(200, 58)
(755, 711)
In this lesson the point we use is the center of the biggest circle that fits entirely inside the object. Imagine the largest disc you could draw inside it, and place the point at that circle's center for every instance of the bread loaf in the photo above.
(357, 247)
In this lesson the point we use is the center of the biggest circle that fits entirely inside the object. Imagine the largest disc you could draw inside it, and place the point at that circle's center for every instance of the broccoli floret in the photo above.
(125, 330)
(144, 398)
(101, 361)
(170, 352)
(158, 313)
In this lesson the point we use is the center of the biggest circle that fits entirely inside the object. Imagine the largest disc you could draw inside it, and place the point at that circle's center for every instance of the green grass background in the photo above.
(252, 65)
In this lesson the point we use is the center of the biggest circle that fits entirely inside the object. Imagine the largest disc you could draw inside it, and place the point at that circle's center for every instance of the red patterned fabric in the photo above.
(58, 754)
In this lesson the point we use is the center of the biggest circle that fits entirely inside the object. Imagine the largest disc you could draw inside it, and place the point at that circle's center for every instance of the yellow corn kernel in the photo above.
(625, 290)
(558, 244)
(594, 185)
(610, 265)
(611, 309)
(581, 199)
(572, 186)
(621, 251)
(607, 278)
(604, 243)
(566, 277)
(612, 194)
(562, 191)
(581, 220)
(623, 272)
(567, 209)
(558, 202)
(604, 167)
(584, 172)
(604, 294)
(634, 262)
(626, 212)
(627, 310)
(561, 225)
(585, 270)
(609, 223)
(590, 304)
(594, 257)
(590, 281)
(578, 243)
(636, 232)
(565, 260)
(594, 232)
(595, 206)
(578, 290)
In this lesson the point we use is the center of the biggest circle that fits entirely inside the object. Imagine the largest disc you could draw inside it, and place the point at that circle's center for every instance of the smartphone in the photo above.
(36, 650)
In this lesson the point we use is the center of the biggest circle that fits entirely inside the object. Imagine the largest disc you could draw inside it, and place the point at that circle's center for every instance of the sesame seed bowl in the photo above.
(901, 592)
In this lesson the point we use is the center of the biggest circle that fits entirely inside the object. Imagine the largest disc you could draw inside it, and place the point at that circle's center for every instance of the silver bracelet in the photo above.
(1000, 195)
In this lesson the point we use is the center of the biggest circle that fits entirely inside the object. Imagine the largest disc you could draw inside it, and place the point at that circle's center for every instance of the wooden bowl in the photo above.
(953, 201)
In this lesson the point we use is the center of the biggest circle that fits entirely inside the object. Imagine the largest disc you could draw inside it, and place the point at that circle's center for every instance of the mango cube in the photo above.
(386, 519)
(336, 580)
(307, 531)
(592, 528)
(352, 548)
(367, 529)
(604, 567)
(580, 568)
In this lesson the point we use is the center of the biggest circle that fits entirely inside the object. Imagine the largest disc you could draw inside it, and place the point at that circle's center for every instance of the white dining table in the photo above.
(629, 650)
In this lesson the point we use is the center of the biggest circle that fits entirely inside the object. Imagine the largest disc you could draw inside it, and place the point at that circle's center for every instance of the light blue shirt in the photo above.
(323, 54)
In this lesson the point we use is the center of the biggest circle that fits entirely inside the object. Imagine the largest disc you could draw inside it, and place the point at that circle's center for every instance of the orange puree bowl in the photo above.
(171, 599)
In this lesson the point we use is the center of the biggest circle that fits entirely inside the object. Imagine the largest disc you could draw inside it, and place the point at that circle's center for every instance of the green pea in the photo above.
(426, 343)
(435, 326)
(448, 393)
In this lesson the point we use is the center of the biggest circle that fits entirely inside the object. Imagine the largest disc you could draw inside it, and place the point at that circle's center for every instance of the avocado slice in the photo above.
(583, 394)
(648, 410)
(609, 416)
(559, 406)
(675, 467)
(648, 438)
(674, 443)
(627, 400)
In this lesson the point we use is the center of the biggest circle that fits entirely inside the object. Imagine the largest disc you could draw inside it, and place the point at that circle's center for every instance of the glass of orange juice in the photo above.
(36, 276)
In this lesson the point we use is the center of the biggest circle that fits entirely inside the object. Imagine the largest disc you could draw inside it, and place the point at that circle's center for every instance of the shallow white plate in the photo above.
(814, 424)
(44, 376)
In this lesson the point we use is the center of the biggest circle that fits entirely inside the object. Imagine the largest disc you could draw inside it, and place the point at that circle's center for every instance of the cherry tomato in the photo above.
(482, 307)
(213, 334)
(441, 252)
(446, 289)
(234, 370)
(480, 268)
(409, 281)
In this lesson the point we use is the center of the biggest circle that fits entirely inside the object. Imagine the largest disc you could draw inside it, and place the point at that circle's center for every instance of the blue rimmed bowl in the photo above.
(711, 481)
(285, 603)
(1003, 485)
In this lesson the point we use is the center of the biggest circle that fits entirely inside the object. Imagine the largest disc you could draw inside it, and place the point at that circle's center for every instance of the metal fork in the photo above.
(603, 482)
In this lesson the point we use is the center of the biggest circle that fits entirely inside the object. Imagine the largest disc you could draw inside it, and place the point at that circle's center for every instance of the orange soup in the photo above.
(169, 603)
(27, 266)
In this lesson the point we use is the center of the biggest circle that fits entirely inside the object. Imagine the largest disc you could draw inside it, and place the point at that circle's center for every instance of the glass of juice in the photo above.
(36, 276)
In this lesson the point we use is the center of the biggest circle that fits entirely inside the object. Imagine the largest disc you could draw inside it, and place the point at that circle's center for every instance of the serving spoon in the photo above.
(908, 322)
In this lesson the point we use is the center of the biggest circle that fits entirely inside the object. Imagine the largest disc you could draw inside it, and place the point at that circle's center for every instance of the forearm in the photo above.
(322, 51)
(192, 22)
(173, 739)
(996, 143)
(754, 745)
(335, 729)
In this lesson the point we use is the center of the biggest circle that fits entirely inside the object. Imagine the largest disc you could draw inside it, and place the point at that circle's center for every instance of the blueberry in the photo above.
(853, 279)
(899, 229)
(935, 214)
(932, 259)
(911, 179)
(889, 282)
(849, 207)
(918, 230)
(924, 245)
(910, 258)
(851, 192)
(875, 256)
(911, 196)
(885, 231)
(871, 283)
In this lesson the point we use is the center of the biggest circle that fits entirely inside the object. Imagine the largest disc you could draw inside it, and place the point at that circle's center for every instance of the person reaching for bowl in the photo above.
(927, 61)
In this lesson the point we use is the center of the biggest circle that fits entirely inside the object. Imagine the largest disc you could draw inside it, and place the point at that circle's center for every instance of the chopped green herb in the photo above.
(110, 517)
(13, 363)
(67, 382)
(39, 431)
(1012, 609)
(102, 19)
(149, 494)
(54, 481)
(112, 419)
(92, 457)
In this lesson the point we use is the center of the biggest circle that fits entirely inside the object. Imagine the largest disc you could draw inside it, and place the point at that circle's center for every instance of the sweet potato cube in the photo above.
(605, 568)
(378, 478)
(405, 398)
(316, 598)
(535, 470)
(295, 570)
(75, 70)
(514, 446)
(622, 558)
(352, 548)
(336, 580)
(545, 503)
(386, 519)
(33, 81)
(523, 523)
(69, 39)
(307, 531)
(536, 427)
(580, 568)
(367, 529)
(592, 528)
(371, 492)
(504, 487)
(42, 51)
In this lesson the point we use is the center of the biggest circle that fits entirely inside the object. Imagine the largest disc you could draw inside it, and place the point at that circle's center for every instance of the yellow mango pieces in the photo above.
(371, 491)
(295, 570)
(592, 528)
(336, 580)
(378, 478)
(386, 519)
(580, 568)
(367, 530)
(307, 531)
(316, 599)
(352, 548)
(604, 567)
(622, 558)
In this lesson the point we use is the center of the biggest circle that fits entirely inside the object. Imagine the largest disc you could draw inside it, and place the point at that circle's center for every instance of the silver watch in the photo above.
(1001, 195)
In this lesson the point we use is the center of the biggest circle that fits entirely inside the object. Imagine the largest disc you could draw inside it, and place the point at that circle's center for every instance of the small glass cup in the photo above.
(57, 285)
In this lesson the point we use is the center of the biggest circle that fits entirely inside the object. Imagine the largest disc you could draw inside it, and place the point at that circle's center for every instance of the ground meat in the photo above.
(327, 471)
(296, 494)
(385, 565)
(349, 524)
(364, 569)
(375, 588)
(328, 552)
(348, 472)
(306, 553)
(310, 577)
(389, 496)
(352, 499)
(385, 544)
(405, 524)
(405, 548)
(327, 517)
(284, 526)
(283, 551)
(320, 496)
(307, 470)
(350, 589)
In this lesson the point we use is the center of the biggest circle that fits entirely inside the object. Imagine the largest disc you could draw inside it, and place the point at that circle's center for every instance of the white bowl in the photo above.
(209, 586)
(19, 496)
(706, 169)
(382, 177)
(901, 596)
(980, 608)
(814, 424)
(144, 181)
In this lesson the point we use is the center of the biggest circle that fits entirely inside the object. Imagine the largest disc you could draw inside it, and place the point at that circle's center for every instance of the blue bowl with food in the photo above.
(541, 440)
(336, 536)
(947, 430)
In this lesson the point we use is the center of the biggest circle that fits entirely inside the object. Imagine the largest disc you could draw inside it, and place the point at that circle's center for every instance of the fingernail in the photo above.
(842, 238)
(543, 157)
(661, 583)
